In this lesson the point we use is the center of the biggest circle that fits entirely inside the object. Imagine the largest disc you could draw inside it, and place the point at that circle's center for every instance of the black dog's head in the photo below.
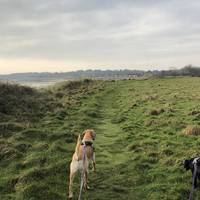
(188, 164)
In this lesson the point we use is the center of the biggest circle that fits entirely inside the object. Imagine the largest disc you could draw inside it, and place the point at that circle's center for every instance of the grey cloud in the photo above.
(100, 30)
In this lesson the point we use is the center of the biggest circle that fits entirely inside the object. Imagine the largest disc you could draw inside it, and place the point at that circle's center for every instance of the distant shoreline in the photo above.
(36, 79)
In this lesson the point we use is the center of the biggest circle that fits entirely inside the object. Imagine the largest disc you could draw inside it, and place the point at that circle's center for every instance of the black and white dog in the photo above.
(193, 164)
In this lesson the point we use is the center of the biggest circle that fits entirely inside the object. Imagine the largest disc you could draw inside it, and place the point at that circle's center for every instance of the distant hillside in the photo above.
(54, 77)
(46, 77)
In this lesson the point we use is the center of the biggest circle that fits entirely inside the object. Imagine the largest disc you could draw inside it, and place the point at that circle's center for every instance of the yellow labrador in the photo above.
(84, 153)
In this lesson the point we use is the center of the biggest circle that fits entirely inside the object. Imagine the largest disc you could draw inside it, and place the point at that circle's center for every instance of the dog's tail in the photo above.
(78, 144)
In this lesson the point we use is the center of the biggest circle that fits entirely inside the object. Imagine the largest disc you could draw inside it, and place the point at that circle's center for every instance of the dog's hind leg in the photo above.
(195, 180)
(93, 162)
(86, 172)
(198, 177)
(72, 175)
(86, 181)
(73, 170)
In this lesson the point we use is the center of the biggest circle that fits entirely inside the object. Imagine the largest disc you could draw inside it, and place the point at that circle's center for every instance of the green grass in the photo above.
(140, 143)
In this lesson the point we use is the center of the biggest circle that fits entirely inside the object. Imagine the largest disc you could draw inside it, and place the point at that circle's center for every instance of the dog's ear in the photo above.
(187, 164)
(93, 134)
(83, 133)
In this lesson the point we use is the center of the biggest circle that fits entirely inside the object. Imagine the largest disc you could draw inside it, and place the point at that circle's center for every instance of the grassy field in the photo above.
(144, 132)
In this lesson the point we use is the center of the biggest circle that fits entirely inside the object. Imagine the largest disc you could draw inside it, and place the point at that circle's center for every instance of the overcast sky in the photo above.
(65, 35)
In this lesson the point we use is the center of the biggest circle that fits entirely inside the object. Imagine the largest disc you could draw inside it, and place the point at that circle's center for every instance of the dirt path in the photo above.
(111, 153)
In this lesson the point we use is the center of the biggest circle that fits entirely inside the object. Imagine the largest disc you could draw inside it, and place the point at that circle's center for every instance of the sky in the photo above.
(68, 35)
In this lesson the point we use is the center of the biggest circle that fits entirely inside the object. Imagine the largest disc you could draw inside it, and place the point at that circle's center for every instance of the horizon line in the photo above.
(52, 72)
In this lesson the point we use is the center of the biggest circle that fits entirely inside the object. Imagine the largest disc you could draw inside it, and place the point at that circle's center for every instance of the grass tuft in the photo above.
(192, 130)
(156, 111)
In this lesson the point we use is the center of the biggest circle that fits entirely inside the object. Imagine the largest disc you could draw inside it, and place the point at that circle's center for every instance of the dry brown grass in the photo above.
(151, 97)
(192, 130)
(150, 123)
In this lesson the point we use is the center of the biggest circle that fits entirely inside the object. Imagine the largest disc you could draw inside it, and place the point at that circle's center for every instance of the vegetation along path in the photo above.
(145, 129)
(140, 139)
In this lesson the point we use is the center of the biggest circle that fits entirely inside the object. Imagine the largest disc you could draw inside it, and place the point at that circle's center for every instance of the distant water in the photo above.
(41, 84)
(38, 84)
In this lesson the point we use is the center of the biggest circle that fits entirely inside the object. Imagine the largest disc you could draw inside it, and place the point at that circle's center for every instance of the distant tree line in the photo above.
(99, 74)
(185, 71)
